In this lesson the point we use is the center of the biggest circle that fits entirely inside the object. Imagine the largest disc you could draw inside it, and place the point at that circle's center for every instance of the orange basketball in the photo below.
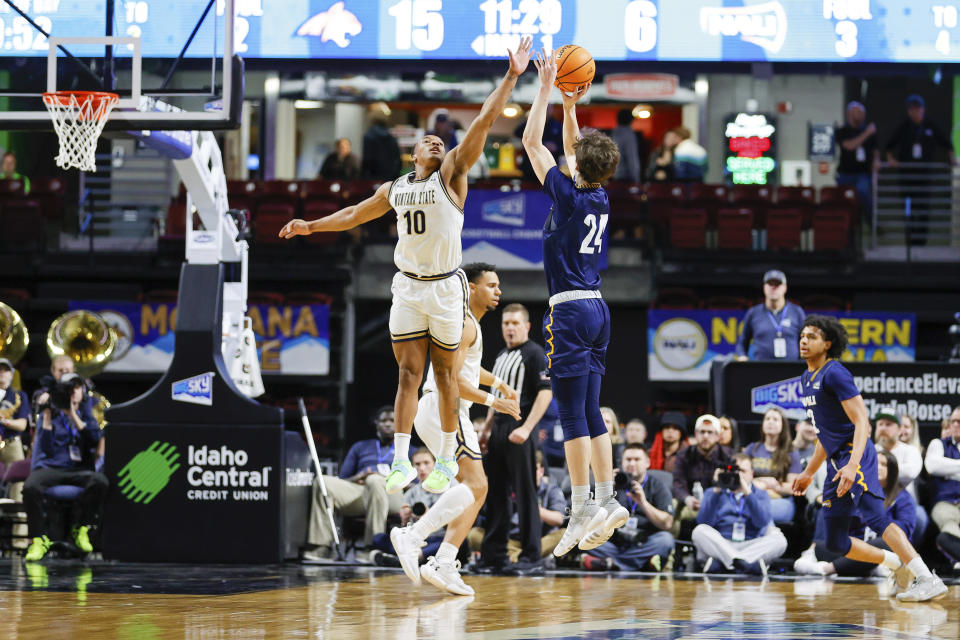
(575, 67)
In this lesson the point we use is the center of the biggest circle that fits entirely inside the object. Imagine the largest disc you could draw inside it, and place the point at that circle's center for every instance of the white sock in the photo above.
(447, 553)
(918, 568)
(578, 496)
(448, 444)
(401, 446)
(603, 491)
(450, 505)
(891, 560)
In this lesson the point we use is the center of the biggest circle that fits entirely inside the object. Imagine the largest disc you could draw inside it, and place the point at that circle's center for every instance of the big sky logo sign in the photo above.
(784, 395)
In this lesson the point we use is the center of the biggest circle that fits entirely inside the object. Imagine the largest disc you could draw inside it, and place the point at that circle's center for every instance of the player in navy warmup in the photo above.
(577, 327)
(837, 410)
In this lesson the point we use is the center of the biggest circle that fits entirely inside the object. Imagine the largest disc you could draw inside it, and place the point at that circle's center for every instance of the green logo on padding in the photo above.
(148, 473)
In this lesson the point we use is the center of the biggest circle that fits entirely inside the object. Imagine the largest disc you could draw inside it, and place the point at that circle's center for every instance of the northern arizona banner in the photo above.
(505, 228)
(292, 339)
(681, 344)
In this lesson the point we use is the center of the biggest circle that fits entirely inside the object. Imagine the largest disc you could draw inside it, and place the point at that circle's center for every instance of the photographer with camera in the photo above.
(63, 454)
(734, 524)
(645, 541)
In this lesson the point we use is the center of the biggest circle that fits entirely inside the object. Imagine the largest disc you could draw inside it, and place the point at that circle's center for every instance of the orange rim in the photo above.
(63, 98)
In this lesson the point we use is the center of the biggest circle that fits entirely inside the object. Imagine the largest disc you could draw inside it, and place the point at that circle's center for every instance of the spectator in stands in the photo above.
(14, 420)
(623, 134)
(635, 432)
(773, 328)
(916, 140)
(775, 464)
(900, 506)
(668, 442)
(734, 525)
(62, 456)
(359, 491)
(909, 462)
(416, 500)
(943, 464)
(695, 467)
(859, 156)
(660, 166)
(550, 437)
(613, 427)
(729, 433)
(945, 427)
(645, 541)
(8, 170)
(689, 158)
(381, 153)
(553, 508)
(909, 434)
(805, 441)
(340, 164)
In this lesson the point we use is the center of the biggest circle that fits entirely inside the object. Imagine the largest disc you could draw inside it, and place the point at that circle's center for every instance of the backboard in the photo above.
(172, 63)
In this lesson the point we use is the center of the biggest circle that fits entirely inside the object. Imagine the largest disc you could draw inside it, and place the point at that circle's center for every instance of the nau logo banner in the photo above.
(784, 395)
(195, 390)
(148, 472)
(682, 344)
(291, 339)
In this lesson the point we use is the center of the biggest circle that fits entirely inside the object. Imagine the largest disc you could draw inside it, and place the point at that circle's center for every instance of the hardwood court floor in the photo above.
(148, 602)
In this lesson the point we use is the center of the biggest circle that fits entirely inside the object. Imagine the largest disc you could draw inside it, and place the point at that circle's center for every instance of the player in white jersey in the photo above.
(458, 507)
(429, 293)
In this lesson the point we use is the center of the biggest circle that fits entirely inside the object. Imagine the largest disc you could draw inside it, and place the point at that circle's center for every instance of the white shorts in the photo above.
(434, 308)
(427, 424)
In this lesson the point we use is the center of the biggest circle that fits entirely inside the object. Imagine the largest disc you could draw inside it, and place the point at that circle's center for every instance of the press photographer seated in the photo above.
(734, 522)
(64, 453)
(644, 542)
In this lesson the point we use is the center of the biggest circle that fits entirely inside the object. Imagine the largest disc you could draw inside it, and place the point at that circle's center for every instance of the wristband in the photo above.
(488, 400)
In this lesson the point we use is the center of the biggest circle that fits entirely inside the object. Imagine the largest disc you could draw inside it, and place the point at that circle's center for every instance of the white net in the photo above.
(78, 117)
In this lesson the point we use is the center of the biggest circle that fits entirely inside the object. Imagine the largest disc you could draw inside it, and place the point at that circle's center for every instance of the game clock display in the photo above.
(669, 30)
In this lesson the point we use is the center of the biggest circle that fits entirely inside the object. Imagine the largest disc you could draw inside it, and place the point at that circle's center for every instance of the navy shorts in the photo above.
(577, 333)
(866, 482)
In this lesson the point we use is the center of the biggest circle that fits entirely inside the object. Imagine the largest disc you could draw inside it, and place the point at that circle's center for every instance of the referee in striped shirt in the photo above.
(510, 464)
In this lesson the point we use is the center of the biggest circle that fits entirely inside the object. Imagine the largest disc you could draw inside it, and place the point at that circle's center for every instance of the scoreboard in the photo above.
(667, 30)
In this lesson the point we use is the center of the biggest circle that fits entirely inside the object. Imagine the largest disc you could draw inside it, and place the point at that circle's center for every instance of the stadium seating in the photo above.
(784, 227)
(709, 197)
(831, 230)
(688, 228)
(735, 228)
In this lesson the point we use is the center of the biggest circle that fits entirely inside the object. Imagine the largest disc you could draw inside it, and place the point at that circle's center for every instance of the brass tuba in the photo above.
(14, 337)
(84, 337)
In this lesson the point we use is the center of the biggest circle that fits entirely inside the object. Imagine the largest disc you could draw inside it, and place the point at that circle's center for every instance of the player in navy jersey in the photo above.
(837, 410)
(577, 327)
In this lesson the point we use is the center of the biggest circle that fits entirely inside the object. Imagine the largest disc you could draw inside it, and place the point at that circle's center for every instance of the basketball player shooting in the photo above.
(430, 291)
(577, 326)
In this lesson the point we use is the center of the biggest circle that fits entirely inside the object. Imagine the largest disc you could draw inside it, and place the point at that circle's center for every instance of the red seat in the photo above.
(627, 206)
(50, 192)
(21, 220)
(243, 194)
(783, 228)
(727, 302)
(176, 222)
(662, 198)
(688, 228)
(801, 198)
(756, 197)
(709, 197)
(831, 230)
(676, 298)
(841, 198)
(11, 188)
(735, 228)
(824, 302)
(356, 191)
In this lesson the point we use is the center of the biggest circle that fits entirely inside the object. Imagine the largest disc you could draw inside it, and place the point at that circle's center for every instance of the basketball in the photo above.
(575, 67)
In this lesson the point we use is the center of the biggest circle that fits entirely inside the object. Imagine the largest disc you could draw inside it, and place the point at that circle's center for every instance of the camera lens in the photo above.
(418, 509)
(621, 480)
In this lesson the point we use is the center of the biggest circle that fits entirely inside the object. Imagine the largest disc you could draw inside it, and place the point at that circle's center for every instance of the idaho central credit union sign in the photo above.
(291, 339)
(682, 344)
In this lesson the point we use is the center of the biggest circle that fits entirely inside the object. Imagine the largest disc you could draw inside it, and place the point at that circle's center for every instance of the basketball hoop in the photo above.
(78, 117)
